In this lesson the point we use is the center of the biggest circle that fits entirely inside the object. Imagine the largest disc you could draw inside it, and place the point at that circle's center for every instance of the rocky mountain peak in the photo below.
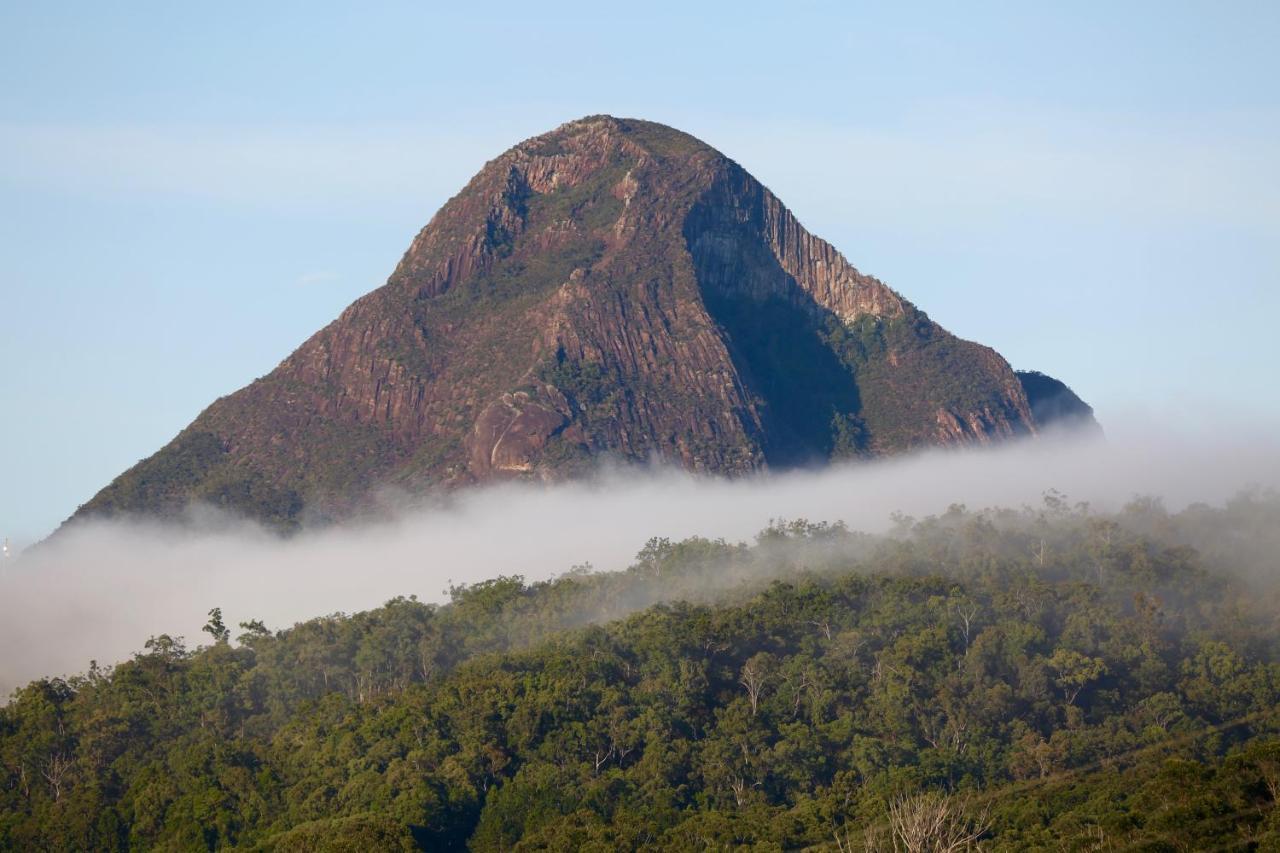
(612, 288)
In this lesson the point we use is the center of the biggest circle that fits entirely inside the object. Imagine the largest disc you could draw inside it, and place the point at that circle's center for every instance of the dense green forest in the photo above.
(1048, 677)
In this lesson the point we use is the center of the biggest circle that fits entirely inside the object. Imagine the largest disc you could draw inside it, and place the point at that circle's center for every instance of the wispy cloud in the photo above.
(316, 277)
(267, 167)
(100, 590)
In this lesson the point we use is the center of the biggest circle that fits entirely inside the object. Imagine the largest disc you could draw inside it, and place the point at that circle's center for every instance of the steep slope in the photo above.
(1054, 405)
(612, 288)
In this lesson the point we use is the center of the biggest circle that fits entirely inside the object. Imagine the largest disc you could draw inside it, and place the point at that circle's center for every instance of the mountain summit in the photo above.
(613, 288)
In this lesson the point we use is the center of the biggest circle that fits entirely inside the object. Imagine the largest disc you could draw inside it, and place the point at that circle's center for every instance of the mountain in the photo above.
(613, 288)
(1053, 404)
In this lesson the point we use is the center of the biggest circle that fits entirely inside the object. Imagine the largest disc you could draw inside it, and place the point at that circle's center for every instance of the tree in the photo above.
(755, 673)
(254, 631)
(214, 627)
(1075, 671)
(934, 822)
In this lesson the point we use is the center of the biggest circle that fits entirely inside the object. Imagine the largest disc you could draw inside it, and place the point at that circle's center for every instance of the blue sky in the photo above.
(187, 191)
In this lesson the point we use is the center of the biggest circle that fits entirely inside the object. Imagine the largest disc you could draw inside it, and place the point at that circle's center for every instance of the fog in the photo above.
(100, 590)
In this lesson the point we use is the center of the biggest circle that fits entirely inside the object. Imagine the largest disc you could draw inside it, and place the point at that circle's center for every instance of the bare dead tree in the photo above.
(602, 757)
(804, 686)
(753, 679)
(1039, 553)
(881, 669)
(55, 770)
(934, 822)
(711, 646)
(1270, 770)
(23, 782)
(739, 786)
(957, 730)
(966, 612)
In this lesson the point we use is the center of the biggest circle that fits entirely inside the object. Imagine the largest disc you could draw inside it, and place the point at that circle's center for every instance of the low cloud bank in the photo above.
(99, 591)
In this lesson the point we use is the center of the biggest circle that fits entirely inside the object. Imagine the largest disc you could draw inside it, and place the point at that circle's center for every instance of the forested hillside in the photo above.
(1042, 677)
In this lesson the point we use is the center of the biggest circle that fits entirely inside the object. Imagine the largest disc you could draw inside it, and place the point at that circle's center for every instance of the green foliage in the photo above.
(354, 834)
(591, 203)
(1054, 676)
(194, 468)
(849, 437)
(588, 383)
(215, 627)
(517, 278)
(907, 370)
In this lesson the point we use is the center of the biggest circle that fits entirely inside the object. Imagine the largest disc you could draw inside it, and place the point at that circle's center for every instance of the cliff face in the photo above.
(612, 288)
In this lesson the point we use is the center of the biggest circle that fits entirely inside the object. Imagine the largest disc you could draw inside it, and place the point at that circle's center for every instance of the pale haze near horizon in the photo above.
(187, 194)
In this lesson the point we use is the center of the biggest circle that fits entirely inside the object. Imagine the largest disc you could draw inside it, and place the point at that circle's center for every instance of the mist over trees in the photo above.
(1015, 678)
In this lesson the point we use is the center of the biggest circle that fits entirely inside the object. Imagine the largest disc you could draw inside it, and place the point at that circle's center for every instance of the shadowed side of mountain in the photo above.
(1056, 406)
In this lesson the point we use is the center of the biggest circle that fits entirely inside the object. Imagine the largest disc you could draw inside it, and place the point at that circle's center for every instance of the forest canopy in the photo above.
(1048, 676)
